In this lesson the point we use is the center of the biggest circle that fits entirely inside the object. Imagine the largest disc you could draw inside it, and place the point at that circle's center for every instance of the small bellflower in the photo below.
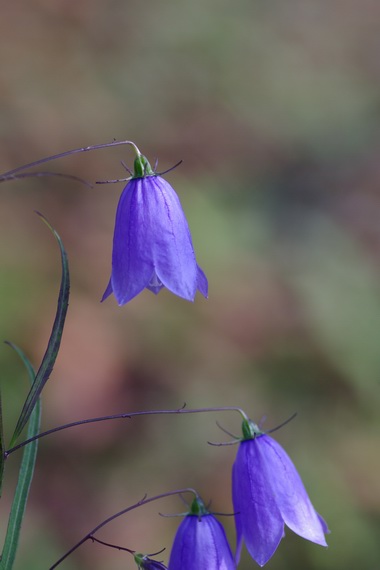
(200, 543)
(145, 563)
(267, 494)
(152, 246)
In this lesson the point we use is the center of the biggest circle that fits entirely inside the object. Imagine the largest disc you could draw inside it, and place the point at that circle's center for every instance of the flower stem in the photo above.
(67, 153)
(129, 415)
(144, 501)
(111, 545)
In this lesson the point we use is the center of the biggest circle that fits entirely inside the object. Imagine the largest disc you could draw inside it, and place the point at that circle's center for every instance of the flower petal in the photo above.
(152, 246)
(325, 528)
(257, 517)
(202, 282)
(132, 265)
(155, 284)
(149, 564)
(290, 494)
(169, 237)
(107, 292)
(201, 544)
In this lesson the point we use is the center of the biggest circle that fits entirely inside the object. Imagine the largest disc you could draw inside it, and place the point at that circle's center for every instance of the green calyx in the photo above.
(250, 430)
(139, 559)
(198, 508)
(141, 167)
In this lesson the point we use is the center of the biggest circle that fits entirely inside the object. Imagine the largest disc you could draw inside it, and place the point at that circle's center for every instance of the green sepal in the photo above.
(141, 167)
(198, 508)
(139, 559)
(250, 430)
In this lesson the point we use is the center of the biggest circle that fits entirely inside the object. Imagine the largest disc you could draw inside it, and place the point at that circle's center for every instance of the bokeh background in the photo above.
(274, 108)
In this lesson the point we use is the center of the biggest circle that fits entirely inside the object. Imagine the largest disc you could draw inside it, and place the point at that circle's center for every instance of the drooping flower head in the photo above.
(200, 543)
(267, 494)
(145, 563)
(152, 246)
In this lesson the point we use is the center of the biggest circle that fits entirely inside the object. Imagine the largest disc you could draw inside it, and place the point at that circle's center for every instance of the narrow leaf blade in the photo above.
(51, 353)
(24, 480)
(2, 447)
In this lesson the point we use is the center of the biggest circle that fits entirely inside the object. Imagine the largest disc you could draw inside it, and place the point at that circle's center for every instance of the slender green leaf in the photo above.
(2, 447)
(24, 479)
(53, 345)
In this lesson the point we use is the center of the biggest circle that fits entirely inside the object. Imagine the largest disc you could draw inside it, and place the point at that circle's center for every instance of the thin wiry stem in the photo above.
(142, 501)
(111, 545)
(67, 153)
(7, 178)
(123, 416)
(117, 547)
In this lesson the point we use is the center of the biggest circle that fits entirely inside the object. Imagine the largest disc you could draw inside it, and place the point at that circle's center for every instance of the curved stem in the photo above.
(117, 547)
(111, 545)
(67, 153)
(8, 177)
(123, 416)
(143, 501)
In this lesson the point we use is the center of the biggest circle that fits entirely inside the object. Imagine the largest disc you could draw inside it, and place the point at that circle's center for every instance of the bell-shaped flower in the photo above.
(145, 563)
(267, 494)
(152, 246)
(200, 543)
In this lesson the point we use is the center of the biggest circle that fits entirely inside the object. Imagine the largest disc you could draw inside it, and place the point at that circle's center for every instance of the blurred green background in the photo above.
(275, 109)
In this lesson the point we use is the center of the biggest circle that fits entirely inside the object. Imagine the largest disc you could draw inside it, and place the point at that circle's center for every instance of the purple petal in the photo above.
(325, 528)
(237, 499)
(290, 495)
(132, 264)
(258, 519)
(107, 292)
(202, 282)
(152, 246)
(155, 284)
(201, 544)
(149, 564)
(169, 238)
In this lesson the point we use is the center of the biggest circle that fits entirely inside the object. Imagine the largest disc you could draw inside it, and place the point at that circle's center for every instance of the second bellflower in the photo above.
(145, 563)
(200, 542)
(152, 245)
(268, 494)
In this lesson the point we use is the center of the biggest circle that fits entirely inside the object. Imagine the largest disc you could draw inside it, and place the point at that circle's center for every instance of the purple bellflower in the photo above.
(145, 563)
(267, 494)
(200, 543)
(152, 246)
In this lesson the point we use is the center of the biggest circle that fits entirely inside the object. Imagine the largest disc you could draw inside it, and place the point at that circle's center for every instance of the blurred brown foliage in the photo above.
(274, 108)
